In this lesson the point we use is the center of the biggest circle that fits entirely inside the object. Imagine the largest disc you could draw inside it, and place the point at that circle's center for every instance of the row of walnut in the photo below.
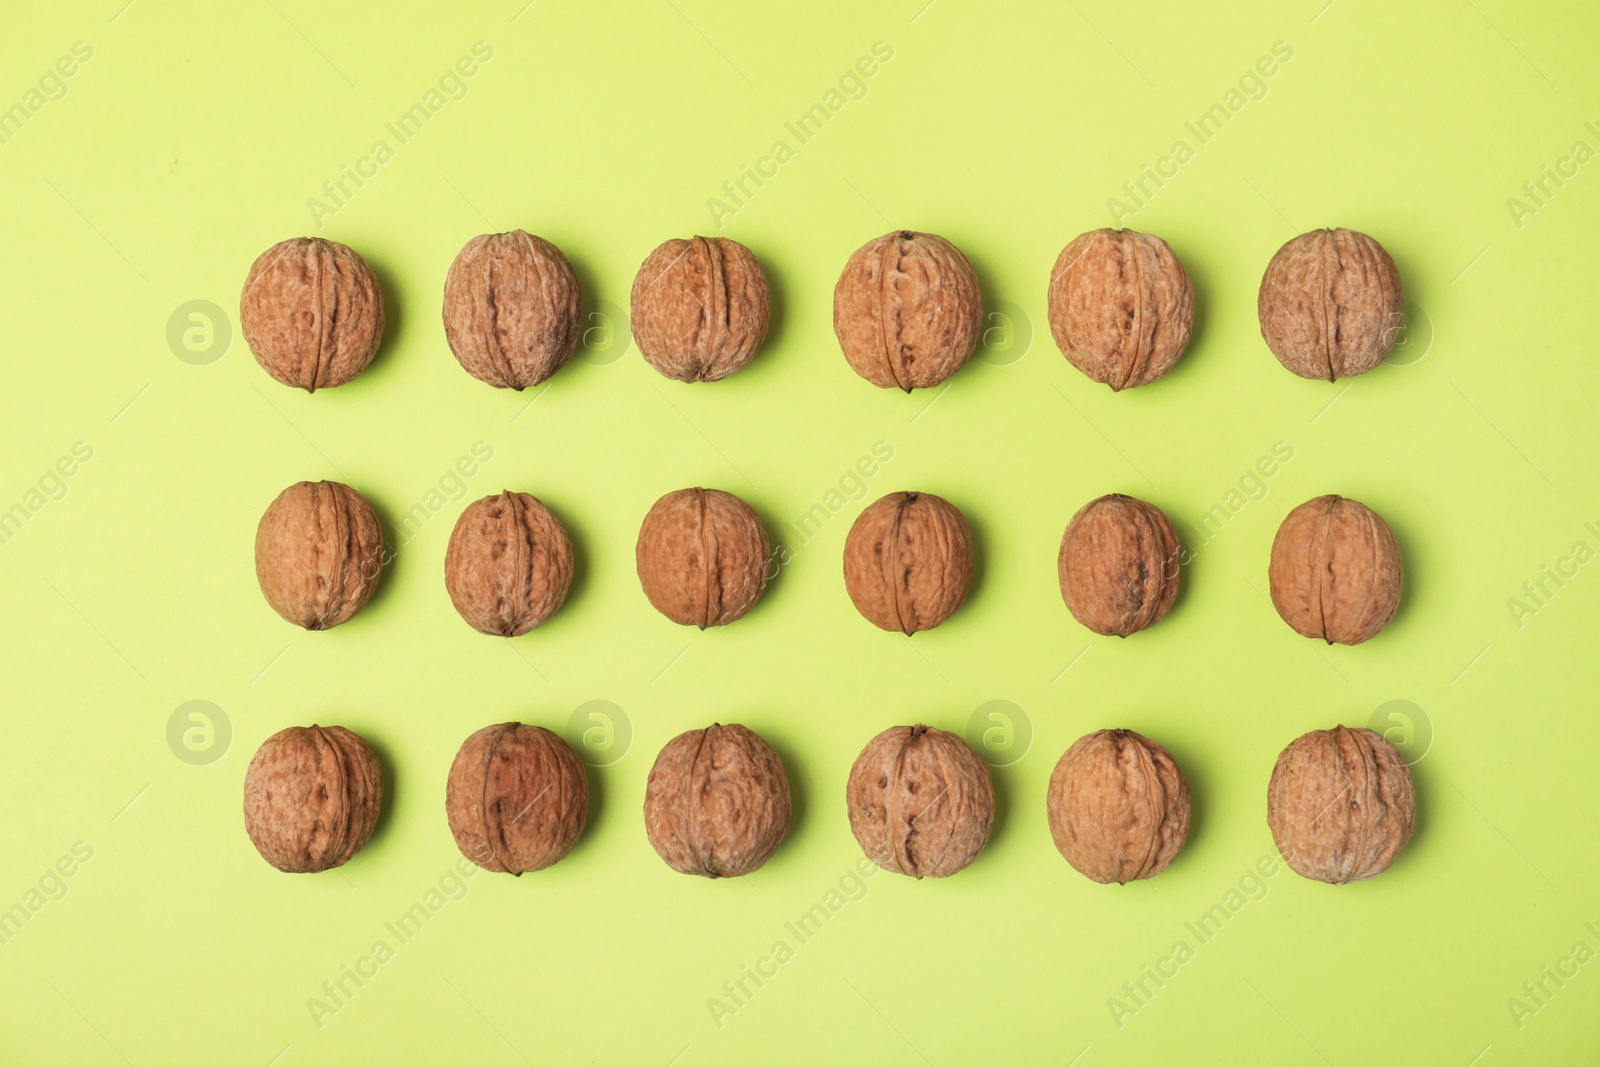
(1340, 803)
(703, 559)
(907, 311)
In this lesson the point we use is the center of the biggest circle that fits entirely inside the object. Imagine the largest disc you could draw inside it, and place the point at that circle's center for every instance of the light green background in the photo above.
(193, 139)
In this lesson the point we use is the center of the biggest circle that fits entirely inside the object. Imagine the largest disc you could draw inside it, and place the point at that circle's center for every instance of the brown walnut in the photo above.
(1118, 565)
(920, 802)
(509, 564)
(907, 311)
(700, 308)
(516, 798)
(702, 557)
(1330, 304)
(312, 313)
(1340, 804)
(717, 802)
(318, 554)
(1335, 571)
(511, 309)
(908, 561)
(1121, 306)
(311, 797)
(1118, 807)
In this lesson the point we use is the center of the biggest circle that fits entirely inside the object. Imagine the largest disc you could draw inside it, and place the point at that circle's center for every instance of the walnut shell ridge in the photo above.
(908, 561)
(509, 564)
(1118, 807)
(1118, 565)
(1330, 304)
(517, 798)
(1335, 571)
(311, 797)
(907, 311)
(1121, 306)
(920, 802)
(312, 313)
(702, 557)
(512, 312)
(716, 802)
(1340, 804)
(319, 551)
(700, 308)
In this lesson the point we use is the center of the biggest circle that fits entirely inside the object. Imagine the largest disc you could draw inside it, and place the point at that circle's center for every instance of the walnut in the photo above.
(702, 557)
(717, 802)
(1335, 571)
(907, 310)
(1330, 304)
(1121, 306)
(318, 554)
(1118, 807)
(516, 798)
(511, 309)
(1340, 804)
(700, 308)
(312, 313)
(908, 561)
(920, 801)
(509, 564)
(1119, 565)
(311, 797)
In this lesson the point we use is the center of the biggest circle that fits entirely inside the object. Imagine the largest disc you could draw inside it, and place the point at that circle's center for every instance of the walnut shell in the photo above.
(700, 308)
(312, 313)
(907, 311)
(318, 554)
(1335, 571)
(1119, 565)
(908, 561)
(1330, 304)
(1340, 804)
(512, 313)
(509, 564)
(516, 798)
(1121, 306)
(717, 802)
(920, 801)
(702, 557)
(1118, 807)
(311, 797)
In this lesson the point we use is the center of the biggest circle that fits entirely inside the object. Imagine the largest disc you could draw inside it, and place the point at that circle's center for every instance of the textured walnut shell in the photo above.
(312, 313)
(1330, 304)
(700, 308)
(907, 310)
(1335, 571)
(717, 802)
(509, 564)
(908, 561)
(318, 554)
(311, 797)
(516, 798)
(1118, 807)
(702, 557)
(920, 802)
(1121, 306)
(511, 309)
(1340, 805)
(1119, 565)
